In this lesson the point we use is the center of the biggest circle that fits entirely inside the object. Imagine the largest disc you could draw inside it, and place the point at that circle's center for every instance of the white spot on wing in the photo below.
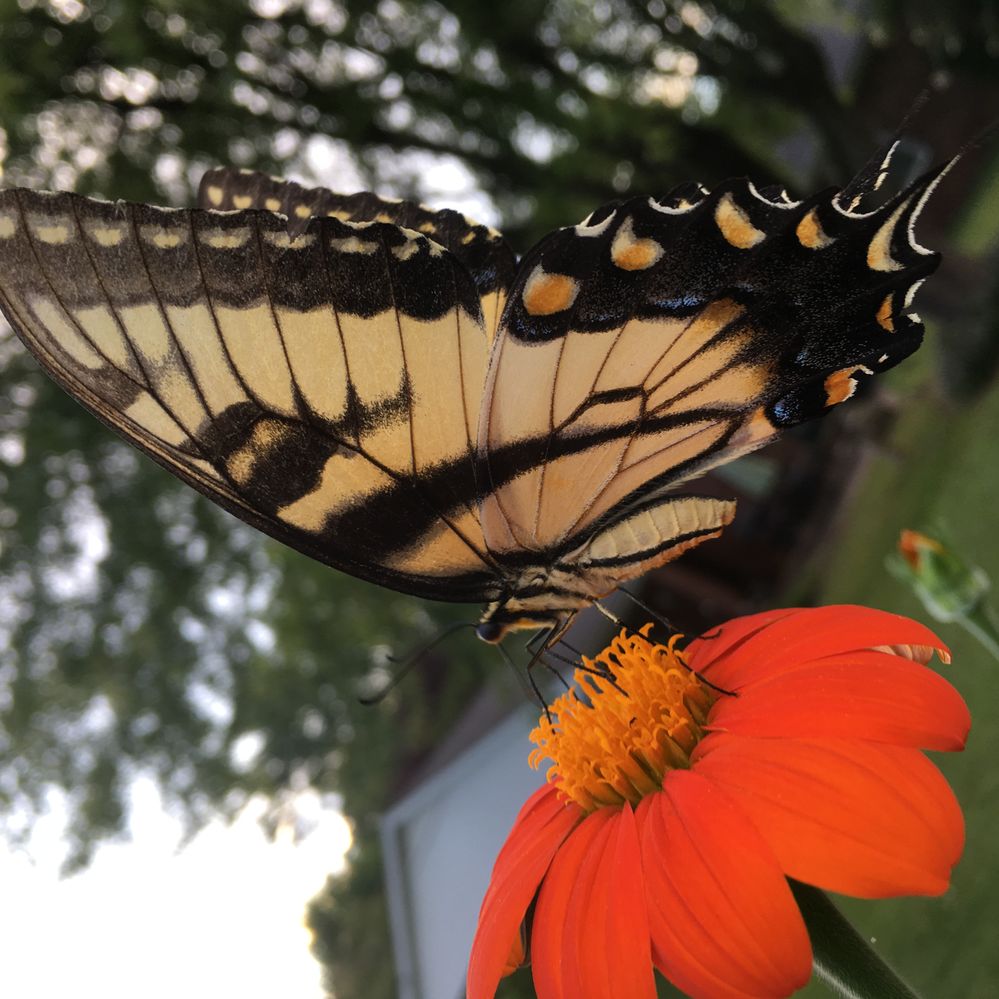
(921, 204)
(598, 228)
(911, 293)
(225, 239)
(879, 256)
(163, 238)
(407, 250)
(351, 244)
(283, 240)
(106, 236)
(49, 230)
(681, 209)
(784, 202)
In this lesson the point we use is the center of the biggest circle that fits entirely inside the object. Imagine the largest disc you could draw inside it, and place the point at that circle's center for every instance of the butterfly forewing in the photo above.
(324, 386)
(331, 368)
(480, 249)
(660, 338)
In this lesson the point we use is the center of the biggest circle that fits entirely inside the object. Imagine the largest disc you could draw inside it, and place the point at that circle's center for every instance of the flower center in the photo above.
(638, 713)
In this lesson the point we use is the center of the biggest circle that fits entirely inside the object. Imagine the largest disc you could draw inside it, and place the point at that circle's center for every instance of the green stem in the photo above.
(843, 959)
(980, 621)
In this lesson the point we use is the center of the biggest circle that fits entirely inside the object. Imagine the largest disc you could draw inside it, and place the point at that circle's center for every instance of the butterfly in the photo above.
(385, 388)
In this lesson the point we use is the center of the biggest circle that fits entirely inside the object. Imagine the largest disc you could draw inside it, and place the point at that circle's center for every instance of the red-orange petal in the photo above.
(542, 825)
(854, 817)
(723, 921)
(723, 639)
(611, 924)
(800, 636)
(591, 935)
(554, 959)
(860, 695)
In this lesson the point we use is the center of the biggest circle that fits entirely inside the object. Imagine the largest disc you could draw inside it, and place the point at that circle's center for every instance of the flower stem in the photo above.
(980, 621)
(843, 959)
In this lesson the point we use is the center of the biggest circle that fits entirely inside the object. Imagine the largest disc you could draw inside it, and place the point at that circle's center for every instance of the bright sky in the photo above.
(222, 917)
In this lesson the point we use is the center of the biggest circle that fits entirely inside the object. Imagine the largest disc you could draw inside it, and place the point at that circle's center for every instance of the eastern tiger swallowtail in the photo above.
(384, 388)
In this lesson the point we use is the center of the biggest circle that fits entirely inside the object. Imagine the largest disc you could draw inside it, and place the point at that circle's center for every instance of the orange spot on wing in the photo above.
(734, 224)
(884, 314)
(641, 254)
(840, 385)
(545, 294)
(810, 234)
(632, 253)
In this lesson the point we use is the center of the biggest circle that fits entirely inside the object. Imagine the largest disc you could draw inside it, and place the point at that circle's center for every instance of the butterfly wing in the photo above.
(660, 338)
(479, 248)
(324, 386)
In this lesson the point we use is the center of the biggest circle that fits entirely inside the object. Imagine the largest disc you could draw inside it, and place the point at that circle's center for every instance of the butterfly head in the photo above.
(498, 621)
(546, 599)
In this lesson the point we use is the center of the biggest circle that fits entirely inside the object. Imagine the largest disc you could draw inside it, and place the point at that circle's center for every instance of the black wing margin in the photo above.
(480, 248)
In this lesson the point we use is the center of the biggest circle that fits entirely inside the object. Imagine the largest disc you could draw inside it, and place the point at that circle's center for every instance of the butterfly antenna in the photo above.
(664, 621)
(601, 669)
(406, 664)
(565, 660)
(571, 648)
(530, 688)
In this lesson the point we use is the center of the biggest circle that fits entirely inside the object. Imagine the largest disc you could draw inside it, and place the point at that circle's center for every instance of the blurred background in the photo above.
(169, 675)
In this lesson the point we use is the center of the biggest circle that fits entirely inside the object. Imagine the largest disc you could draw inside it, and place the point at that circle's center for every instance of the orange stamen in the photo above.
(641, 721)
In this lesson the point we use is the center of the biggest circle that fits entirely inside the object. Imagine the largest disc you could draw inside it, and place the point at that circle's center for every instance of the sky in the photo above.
(222, 916)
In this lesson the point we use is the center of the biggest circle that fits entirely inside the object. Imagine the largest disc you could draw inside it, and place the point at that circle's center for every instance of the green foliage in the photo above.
(938, 464)
(124, 92)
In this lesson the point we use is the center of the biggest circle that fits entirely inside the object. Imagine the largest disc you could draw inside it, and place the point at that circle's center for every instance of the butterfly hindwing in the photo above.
(325, 386)
(662, 337)
(480, 248)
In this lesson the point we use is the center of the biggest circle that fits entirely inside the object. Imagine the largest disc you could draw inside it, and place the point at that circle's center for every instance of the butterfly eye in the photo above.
(490, 631)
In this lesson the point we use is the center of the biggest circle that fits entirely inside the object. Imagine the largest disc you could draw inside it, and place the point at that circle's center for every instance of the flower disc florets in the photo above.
(638, 713)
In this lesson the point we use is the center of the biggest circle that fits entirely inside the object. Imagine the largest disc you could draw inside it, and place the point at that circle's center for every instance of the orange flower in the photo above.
(685, 790)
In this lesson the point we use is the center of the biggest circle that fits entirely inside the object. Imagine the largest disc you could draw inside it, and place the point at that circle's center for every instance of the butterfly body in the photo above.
(386, 389)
